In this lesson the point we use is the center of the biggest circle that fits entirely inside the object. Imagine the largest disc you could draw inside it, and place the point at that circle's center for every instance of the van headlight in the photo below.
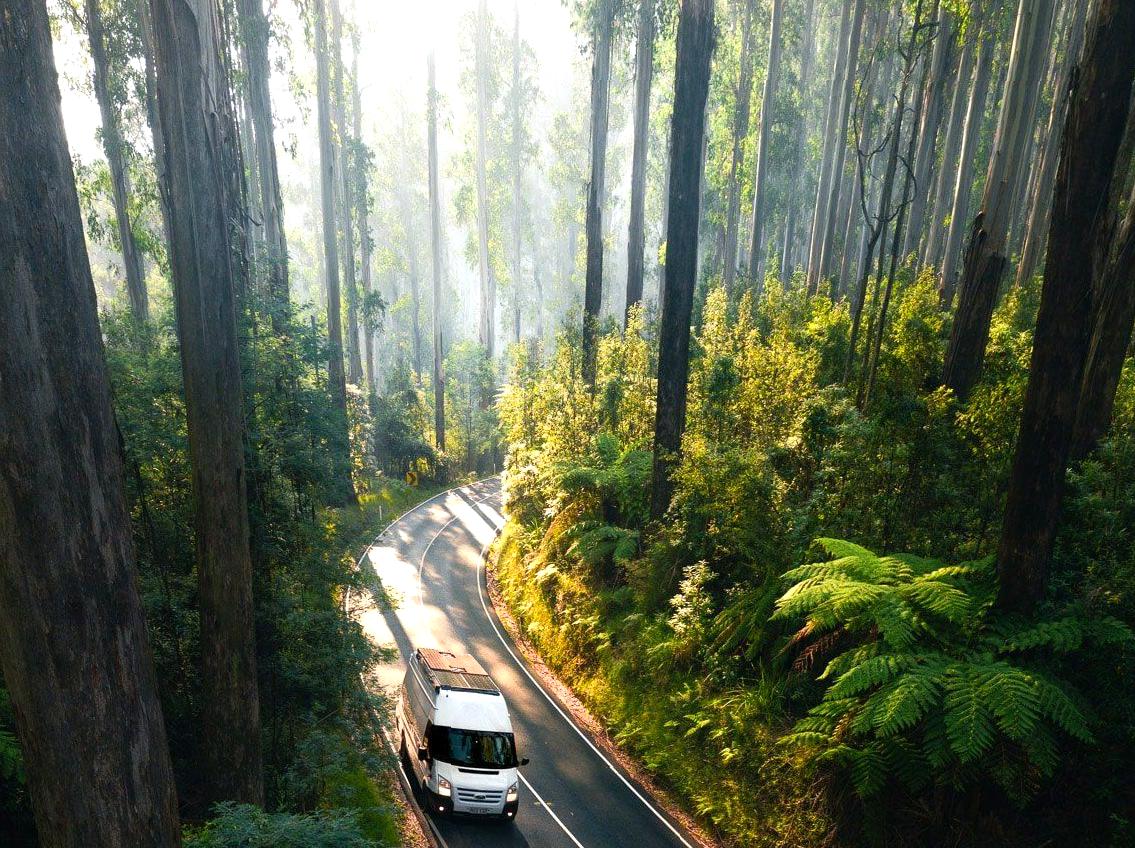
(511, 796)
(444, 787)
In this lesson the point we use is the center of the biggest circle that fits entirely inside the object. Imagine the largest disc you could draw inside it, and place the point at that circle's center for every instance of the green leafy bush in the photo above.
(246, 826)
(927, 683)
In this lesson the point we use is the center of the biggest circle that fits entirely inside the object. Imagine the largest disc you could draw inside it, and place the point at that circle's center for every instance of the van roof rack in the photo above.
(447, 670)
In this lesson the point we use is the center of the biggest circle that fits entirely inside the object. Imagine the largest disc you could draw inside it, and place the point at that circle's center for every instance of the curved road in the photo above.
(429, 562)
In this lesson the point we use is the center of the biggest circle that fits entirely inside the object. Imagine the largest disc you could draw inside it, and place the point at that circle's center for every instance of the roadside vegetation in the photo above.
(791, 687)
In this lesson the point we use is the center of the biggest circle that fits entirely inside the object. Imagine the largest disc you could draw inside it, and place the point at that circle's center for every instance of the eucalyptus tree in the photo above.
(740, 132)
(795, 182)
(602, 35)
(195, 104)
(436, 256)
(328, 175)
(360, 158)
(255, 32)
(73, 644)
(1083, 241)
(691, 87)
(986, 255)
(764, 145)
(644, 73)
(486, 323)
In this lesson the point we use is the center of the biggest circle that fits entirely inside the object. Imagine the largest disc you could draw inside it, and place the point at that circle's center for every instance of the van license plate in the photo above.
(481, 811)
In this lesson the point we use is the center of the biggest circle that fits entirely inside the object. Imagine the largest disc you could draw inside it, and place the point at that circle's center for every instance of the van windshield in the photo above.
(475, 748)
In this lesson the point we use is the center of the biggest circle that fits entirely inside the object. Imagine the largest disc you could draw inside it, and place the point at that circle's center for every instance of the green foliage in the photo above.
(928, 684)
(245, 826)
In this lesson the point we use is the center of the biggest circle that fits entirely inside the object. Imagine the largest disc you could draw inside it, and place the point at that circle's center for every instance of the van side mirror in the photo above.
(524, 761)
(423, 753)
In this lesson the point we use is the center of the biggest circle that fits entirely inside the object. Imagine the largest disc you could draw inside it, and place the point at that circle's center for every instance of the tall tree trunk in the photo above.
(600, 92)
(345, 200)
(435, 250)
(194, 100)
(932, 103)
(486, 325)
(740, 132)
(764, 141)
(827, 158)
(517, 201)
(114, 148)
(1079, 245)
(344, 486)
(73, 645)
(828, 204)
(1040, 207)
(1111, 339)
(963, 183)
(146, 34)
(807, 49)
(362, 209)
(255, 31)
(951, 148)
(644, 71)
(985, 257)
(687, 130)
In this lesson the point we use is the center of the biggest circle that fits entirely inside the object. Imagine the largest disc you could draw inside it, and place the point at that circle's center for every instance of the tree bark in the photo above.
(687, 130)
(963, 183)
(114, 149)
(760, 183)
(73, 644)
(193, 99)
(486, 325)
(255, 32)
(1040, 207)
(146, 34)
(344, 486)
(986, 257)
(951, 149)
(933, 96)
(362, 211)
(823, 232)
(740, 132)
(435, 250)
(600, 92)
(644, 72)
(1079, 246)
(517, 201)
(807, 49)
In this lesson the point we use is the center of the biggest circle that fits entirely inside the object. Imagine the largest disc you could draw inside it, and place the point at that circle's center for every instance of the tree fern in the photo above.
(933, 682)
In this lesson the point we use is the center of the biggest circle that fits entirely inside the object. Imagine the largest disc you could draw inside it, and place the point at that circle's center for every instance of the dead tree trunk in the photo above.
(760, 184)
(73, 645)
(687, 130)
(986, 258)
(114, 148)
(740, 132)
(1079, 246)
(600, 91)
(435, 250)
(344, 492)
(193, 99)
(644, 72)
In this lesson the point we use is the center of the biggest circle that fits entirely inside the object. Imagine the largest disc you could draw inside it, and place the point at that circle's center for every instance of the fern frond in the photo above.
(869, 674)
(969, 726)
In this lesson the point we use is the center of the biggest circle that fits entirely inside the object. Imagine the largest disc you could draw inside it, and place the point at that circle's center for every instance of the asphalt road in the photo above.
(429, 562)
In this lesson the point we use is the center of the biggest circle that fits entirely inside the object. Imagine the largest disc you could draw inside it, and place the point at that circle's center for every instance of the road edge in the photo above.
(580, 715)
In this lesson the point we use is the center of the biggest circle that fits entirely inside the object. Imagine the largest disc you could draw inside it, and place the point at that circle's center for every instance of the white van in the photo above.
(457, 736)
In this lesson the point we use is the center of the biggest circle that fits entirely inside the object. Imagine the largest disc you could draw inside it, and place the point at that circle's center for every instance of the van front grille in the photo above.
(479, 796)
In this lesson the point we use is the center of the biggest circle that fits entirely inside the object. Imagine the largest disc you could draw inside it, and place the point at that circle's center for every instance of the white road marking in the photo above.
(563, 715)
(544, 803)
